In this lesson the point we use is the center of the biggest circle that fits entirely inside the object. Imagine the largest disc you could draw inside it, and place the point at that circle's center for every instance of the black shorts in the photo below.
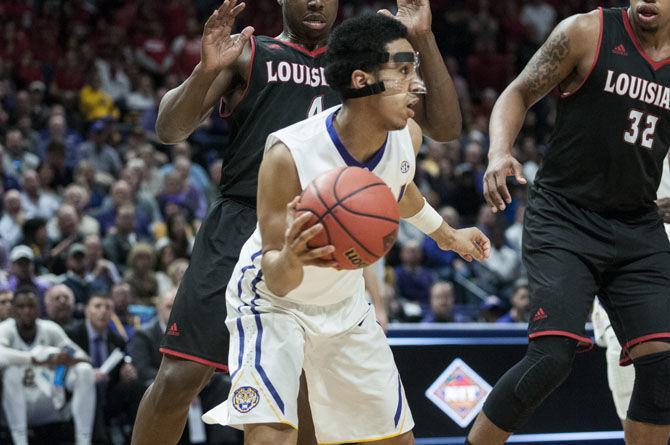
(573, 254)
(197, 330)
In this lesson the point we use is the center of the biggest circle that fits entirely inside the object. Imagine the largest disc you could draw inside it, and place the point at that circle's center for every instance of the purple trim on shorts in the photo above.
(240, 329)
(398, 410)
(239, 282)
(254, 282)
(260, 369)
(348, 159)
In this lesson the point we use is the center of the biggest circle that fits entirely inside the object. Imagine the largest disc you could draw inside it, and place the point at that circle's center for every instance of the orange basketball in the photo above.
(359, 214)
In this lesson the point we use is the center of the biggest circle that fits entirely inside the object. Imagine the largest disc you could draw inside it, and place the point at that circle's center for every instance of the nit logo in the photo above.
(460, 392)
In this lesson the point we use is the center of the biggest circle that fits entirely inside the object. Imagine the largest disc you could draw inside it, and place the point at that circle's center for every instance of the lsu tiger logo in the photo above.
(245, 399)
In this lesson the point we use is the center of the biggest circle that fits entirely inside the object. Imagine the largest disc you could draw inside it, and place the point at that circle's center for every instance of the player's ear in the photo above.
(359, 79)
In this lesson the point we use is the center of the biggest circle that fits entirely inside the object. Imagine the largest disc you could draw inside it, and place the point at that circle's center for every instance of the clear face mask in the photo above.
(401, 83)
(392, 79)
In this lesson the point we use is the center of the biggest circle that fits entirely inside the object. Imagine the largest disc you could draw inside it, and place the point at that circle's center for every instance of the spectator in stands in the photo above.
(119, 242)
(36, 202)
(78, 197)
(59, 302)
(491, 309)
(119, 390)
(122, 194)
(539, 17)
(54, 171)
(22, 273)
(100, 272)
(442, 302)
(75, 275)
(498, 272)
(196, 174)
(520, 311)
(98, 152)
(17, 158)
(68, 78)
(12, 219)
(153, 54)
(123, 323)
(94, 103)
(36, 237)
(67, 223)
(413, 281)
(140, 274)
(5, 302)
(29, 350)
(180, 234)
(186, 49)
(58, 131)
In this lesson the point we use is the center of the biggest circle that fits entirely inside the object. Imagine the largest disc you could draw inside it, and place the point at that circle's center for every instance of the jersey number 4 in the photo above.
(316, 106)
(646, 135)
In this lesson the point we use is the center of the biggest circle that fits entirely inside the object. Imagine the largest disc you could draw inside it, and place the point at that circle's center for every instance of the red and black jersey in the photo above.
(285, 84)
(613, 132)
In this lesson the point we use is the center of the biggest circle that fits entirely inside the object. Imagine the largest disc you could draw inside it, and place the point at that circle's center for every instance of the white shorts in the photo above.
(355, 392)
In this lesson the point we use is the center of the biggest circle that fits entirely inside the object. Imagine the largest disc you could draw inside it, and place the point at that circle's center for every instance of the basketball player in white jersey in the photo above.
(288, 309)
(621, 378)
(30, 348)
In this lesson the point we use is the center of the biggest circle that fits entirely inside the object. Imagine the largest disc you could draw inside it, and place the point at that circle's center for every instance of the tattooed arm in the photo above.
(566, 57)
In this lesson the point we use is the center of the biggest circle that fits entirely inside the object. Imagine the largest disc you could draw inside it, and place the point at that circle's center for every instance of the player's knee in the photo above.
(650, 402)
(84, 373)
(13, 375)
(549, 367)
(181, 379)
(520, 391)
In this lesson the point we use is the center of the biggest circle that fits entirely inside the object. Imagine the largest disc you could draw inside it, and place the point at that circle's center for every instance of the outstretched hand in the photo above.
(414, 14)
(470, 243)
(220, 49)
(496, 192)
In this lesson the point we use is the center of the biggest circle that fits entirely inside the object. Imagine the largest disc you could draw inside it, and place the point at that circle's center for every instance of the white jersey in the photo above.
(49, 333)
(664, 187)
(316, 148)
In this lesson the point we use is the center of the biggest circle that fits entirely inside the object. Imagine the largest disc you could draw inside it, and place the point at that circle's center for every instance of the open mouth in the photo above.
(647, 13)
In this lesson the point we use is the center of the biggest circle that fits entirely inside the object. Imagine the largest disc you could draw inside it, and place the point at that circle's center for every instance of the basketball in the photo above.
(360, 215)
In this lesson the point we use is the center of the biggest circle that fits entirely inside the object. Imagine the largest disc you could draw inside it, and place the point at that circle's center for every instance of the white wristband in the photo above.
(427, 219)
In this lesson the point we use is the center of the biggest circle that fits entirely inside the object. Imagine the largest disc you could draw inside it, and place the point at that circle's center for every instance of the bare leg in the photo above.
(485, 432)
(404, 439)
(164, 408)
(306, 433)
(269, 434)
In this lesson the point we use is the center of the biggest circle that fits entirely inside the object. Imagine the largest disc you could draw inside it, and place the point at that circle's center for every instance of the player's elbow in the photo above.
(167, 134)
(448, 130)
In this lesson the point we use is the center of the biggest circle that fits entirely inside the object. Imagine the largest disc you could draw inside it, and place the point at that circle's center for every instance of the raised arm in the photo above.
(285, 250)
(564, 59)
(222, 59)
(438, 113)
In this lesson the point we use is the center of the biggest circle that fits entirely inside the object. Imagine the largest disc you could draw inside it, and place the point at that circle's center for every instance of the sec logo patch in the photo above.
(404, 167)
(245, 399)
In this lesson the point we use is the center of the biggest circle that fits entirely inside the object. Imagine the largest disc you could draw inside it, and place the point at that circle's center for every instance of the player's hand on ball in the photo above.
(470, 243)
(297, 237)
(495, 180)
(220, 49)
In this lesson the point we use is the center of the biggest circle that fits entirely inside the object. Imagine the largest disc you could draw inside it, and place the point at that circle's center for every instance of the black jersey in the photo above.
(286, 84)
(612, 134)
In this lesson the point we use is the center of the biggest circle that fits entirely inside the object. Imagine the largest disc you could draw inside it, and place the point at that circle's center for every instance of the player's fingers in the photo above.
(385, 12)
(306, 235)
(236, 10)
(313, 254)
(501, 186)
(490, 192)
(518, 173)
(297, 225)
(294, 202)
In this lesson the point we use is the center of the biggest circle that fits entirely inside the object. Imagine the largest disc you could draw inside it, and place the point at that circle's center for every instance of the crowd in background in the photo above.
(94, 207)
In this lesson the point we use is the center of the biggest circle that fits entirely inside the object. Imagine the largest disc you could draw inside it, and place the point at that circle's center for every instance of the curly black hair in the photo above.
(359, 44)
